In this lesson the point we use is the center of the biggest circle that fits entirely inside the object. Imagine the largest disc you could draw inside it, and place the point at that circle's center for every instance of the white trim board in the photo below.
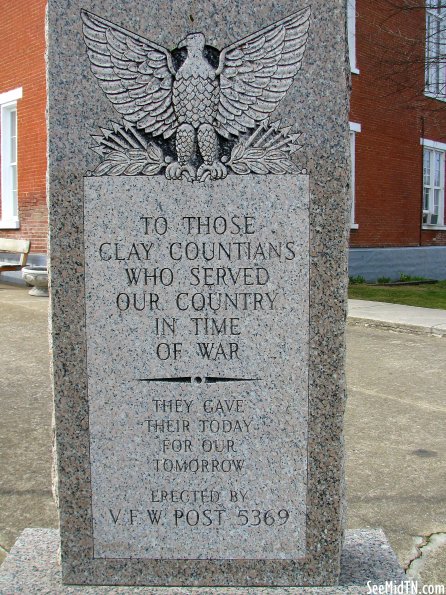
(11, 95)
(433, 144)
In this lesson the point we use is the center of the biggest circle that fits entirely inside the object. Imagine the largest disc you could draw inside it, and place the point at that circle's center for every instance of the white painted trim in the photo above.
(441, 149)
(433, 96)
(355, 71)
(433, 144)
(433, 227)
(351, 32)
(10, 207)
(354, 128)
(11, 95)
(9, 223)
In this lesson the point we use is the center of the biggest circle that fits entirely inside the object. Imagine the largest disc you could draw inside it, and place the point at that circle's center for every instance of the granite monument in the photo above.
(198, 192)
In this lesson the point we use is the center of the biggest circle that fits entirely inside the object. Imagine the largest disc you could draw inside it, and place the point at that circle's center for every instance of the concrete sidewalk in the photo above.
(398, 317)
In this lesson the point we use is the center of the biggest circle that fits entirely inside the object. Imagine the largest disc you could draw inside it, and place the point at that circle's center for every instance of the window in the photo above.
(8, 154)
(436, 49)
(354, 128)
(433, 183)
(351, 25)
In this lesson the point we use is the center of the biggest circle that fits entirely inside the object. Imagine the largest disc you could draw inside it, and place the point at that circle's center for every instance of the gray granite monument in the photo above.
(198, 189)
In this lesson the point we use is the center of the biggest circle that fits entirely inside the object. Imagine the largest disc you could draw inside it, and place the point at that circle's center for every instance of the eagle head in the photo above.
(193, 41)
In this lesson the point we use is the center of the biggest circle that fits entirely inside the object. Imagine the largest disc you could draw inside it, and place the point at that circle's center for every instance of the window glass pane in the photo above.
(14, 190)
(352, 163)
(428, 52)
(426, 199)
(435, 68)
(437, 36)
(430, 36)
(14, 177)
(13, 116)
(435, 55)
(13, 156)
(433, 186)
(13, 135)
(437, 168)
(426, 167)
(436, 204)
(13, 149)
(15, 209)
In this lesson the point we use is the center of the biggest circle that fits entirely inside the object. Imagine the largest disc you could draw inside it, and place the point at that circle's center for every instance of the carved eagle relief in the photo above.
(196, 103)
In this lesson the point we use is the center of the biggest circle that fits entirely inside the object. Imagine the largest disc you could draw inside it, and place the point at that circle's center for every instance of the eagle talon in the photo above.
(177, 171)
(215, 171)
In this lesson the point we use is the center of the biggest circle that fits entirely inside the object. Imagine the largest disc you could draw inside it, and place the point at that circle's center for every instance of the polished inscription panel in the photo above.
(197, 313)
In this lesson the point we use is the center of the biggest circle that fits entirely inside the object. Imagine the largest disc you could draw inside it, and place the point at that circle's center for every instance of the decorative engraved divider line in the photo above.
(198, 379)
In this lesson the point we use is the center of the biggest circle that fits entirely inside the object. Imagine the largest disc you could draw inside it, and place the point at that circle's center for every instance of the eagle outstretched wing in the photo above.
(135, 73)
(257, 71)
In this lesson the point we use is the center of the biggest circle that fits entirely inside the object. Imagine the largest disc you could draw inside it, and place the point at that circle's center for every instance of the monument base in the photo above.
(33, 567)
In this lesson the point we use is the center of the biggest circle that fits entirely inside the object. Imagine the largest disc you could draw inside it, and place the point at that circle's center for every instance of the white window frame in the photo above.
(351, 28)
(9, 213)
(354, 129)
(435, 52)
(440, 148)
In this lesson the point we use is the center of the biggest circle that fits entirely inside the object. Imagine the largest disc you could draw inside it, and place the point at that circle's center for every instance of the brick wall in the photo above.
(22, 64)
(389, 103)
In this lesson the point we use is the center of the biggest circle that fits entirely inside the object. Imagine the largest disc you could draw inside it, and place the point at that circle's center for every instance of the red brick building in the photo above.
(398, 104)
(398, 131)
(22, 127)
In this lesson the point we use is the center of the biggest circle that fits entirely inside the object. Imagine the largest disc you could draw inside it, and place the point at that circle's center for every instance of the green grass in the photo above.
(425, 296)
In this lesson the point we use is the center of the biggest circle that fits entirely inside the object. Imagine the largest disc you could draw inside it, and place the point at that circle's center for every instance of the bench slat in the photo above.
(16, 246)
(21, 247)
(10, 267)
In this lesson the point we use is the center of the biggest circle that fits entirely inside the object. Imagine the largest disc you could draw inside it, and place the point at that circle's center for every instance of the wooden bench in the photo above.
(14, 247)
